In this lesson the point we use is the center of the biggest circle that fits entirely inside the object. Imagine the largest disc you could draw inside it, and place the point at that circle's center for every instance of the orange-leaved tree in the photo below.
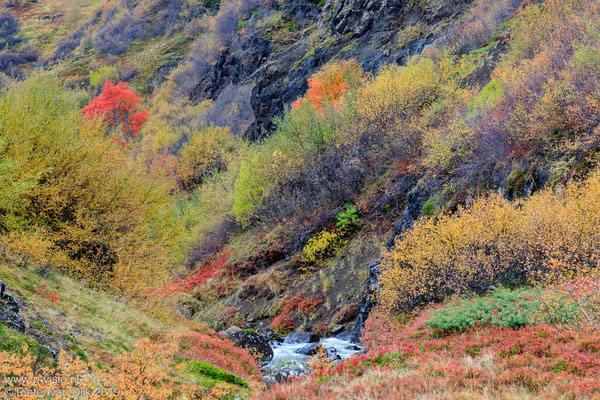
(119, 108)
(328, 86)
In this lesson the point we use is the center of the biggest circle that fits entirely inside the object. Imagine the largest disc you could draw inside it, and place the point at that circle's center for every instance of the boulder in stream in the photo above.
(309, 349)
(300, 337)
(256, 345)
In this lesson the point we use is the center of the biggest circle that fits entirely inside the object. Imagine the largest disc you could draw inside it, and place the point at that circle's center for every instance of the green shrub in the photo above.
(330, 243)
(80, 353)
(429, 208)
(104, 74)
(503, 307)
(198, 367)
(12, 341)
(82, 99)
(487, 98)
(348, 219)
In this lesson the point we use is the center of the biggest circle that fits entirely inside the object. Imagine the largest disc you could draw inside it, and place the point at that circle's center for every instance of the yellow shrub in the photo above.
(210, 149)
(402, 101)
(87, 206)
(396, 94)
(549, 239)
(448, 145)
(324, 245)
(411, 33)
(107, 73)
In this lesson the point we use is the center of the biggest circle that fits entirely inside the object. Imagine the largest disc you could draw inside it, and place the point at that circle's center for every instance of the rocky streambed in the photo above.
(290, 354)
(284, 358)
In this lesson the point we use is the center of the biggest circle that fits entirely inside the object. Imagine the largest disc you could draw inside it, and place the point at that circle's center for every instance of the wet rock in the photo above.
(414, 204)
(332, 355)
(309, 349)
(412, 49)
(353, 347)
(9, 309)
(345, 335)
(256, 345)
(368, 300)
(300, 337)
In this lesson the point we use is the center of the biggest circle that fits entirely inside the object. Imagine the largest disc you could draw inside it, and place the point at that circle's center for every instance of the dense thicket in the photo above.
(76, 200)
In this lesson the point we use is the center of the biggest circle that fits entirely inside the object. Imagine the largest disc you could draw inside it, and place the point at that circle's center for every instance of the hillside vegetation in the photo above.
(170, 169)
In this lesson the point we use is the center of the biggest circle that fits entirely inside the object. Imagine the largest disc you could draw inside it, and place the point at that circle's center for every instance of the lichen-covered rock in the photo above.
(283, 372)
(232, 330)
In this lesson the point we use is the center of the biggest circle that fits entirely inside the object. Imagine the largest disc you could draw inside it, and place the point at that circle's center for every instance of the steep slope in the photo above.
(294, 154)
(63, 318)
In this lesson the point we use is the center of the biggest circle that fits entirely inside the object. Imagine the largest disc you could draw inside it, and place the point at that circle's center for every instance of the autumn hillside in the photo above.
(184, 184)
(114, 349)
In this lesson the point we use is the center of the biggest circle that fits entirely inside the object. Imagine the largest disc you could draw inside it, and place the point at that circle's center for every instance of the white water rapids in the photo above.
(284, 353)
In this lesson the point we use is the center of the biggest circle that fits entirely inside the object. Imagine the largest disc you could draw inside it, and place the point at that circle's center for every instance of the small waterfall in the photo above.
(369, 299)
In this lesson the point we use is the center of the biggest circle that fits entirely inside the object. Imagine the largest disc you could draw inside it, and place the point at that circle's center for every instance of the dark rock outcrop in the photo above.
(352, 16)
(369, 300)
(414, 204)
(364, 30)
(9, 309)
(345, 335)
(269, 335)
(337, 329)
(256, 345)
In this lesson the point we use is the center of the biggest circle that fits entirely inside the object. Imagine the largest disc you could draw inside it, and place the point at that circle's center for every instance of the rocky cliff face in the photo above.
(365, 30)
(9, 309)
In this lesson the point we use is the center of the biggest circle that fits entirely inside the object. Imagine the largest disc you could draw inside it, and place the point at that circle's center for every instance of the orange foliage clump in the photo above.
(328, 86)
(149, 371)
(300, 303)
(143, 371)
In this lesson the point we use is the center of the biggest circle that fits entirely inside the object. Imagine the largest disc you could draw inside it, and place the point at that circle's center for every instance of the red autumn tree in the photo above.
(118, 106)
